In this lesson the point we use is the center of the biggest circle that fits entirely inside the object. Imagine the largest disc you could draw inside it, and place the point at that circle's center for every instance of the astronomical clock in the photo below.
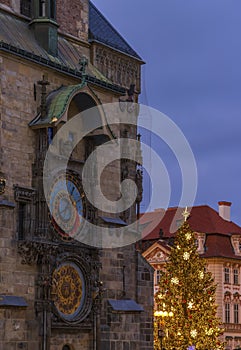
(67, 206)
(72, 275)
(70, 290)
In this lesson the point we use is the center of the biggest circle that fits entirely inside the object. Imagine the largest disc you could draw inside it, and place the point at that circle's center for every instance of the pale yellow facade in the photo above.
(227, 275)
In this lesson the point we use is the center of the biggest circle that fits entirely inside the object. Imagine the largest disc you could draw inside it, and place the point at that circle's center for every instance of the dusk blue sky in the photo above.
(192, 50)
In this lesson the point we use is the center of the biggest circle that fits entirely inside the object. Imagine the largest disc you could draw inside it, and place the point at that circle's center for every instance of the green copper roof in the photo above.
(57, 104)
(17, 39)
(61, 101)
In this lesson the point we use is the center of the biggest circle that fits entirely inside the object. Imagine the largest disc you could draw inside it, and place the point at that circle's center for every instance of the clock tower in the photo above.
(62, 286)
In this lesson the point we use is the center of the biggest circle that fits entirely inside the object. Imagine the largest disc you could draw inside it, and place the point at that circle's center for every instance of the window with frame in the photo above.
(52, 9)
(158, 276)
(25, 220)
(22, 215)
(235, 313)
(226, 275)
(25, 7)
(25, 217)
(227, 313)
(47, 8)
(235, 276)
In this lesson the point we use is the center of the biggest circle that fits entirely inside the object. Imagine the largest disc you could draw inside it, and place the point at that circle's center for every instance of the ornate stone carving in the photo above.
(120, 70)
(200, 241)
(24, 194)
(236, 243)
(227, 297)
(33, 252)
(156, 256)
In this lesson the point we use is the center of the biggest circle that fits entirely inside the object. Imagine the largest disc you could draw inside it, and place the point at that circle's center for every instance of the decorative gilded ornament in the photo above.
(68, 289)
(193, 333)
(174, 280)
(209, 331)
(54, 119)
(190, 305)
(188, 236)
(201, 274)
(186, 256)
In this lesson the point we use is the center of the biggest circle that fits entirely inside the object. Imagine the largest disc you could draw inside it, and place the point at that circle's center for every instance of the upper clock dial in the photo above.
(66, 206)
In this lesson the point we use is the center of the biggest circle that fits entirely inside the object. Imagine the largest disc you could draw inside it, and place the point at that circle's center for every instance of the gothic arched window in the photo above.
(25, 7)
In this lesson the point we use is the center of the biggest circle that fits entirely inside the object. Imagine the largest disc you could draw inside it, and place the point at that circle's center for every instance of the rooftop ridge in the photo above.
(203, 219)
(128, 50)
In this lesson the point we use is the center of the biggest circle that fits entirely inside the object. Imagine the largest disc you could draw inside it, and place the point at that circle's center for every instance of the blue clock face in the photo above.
(64, 209)
(66, 206)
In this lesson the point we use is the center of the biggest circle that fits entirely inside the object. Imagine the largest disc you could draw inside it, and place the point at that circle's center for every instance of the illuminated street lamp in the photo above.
(160, 317)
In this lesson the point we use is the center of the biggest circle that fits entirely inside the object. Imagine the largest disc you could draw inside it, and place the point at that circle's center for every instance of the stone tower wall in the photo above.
(72, 17)
(125, 275)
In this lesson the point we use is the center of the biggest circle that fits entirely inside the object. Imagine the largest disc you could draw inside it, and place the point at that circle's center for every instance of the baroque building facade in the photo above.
(218, 241)
(59, 291)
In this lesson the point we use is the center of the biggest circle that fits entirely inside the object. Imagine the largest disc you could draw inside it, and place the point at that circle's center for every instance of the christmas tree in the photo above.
(185, 313)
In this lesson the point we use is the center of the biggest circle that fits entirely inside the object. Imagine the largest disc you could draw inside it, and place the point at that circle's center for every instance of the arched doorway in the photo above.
(67, 347)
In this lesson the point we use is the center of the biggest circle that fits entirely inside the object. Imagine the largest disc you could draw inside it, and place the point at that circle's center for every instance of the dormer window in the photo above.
(42, 8)
(44, 25)
(47, 8)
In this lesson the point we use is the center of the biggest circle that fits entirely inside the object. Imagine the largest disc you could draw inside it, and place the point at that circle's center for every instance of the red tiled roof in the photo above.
(202, 219)
(219, 246)
(216, 245)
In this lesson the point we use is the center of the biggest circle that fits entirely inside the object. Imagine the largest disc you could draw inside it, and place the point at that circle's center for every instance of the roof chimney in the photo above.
(224, 210)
